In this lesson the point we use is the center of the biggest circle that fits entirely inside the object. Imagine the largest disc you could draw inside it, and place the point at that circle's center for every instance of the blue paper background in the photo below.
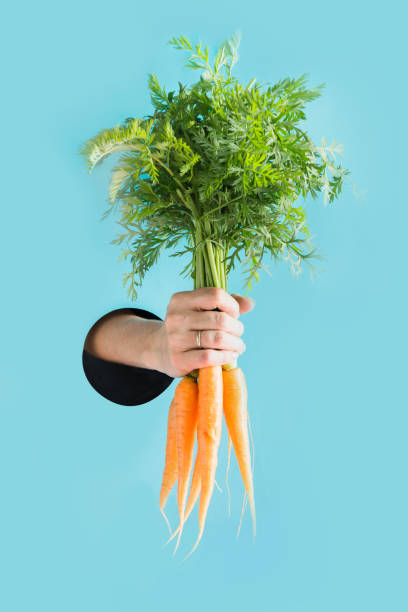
(325, 360)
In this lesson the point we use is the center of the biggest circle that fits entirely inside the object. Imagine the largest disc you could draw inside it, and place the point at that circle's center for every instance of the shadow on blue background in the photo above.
(325, 359)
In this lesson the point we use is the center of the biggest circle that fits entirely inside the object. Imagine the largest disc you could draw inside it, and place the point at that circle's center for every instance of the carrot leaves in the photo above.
(220, 170)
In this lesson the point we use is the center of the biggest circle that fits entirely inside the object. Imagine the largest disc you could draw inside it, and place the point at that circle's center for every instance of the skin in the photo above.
(169, 346)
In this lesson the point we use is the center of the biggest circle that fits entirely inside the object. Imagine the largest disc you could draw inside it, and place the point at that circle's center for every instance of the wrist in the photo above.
(152, 355)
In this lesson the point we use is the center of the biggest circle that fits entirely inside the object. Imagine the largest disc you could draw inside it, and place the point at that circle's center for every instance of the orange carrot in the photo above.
(170, 464)
(236, 418)
(208, 436)
(194, 490)
(186, 426)
(192, 497)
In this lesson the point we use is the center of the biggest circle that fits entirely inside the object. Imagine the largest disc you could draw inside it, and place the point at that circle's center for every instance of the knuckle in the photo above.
(176, 298)
(172, 301)
(218, 338)
(220, 320)
(204, 358)
(216, 293)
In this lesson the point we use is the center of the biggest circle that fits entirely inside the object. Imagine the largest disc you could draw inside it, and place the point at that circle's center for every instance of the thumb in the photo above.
(246, 304)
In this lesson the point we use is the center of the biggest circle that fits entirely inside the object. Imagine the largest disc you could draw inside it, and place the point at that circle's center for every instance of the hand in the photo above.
(174, 347)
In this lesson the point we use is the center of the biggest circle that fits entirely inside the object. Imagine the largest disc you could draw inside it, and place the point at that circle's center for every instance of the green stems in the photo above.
(210, 263)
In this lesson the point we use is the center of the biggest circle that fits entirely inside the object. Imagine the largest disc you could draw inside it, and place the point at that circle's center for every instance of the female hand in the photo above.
(174, 348)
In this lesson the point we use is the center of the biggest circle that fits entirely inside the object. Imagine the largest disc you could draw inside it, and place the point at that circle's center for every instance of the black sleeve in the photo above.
(124, 384)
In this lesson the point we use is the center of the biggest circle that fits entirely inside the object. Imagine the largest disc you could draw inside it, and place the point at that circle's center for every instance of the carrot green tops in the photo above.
(218, 171)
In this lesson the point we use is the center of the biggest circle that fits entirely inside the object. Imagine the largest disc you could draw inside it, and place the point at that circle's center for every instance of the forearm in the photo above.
(128, 339)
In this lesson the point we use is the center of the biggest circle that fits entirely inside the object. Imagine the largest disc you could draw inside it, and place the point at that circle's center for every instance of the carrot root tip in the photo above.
(195, 545)
(180, 530)
(242, 514)
(227, 476)
(252, 508)
(166, 519)
(173, 535)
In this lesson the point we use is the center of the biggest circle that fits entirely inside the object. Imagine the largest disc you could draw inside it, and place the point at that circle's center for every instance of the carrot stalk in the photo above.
(236, 417)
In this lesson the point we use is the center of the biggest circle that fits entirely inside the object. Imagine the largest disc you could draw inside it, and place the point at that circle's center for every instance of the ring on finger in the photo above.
(198, 338)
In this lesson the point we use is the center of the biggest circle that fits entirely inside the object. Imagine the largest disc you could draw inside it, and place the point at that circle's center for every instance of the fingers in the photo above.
(214, 313)
(207, 298)
(192, 320)
(209, 339)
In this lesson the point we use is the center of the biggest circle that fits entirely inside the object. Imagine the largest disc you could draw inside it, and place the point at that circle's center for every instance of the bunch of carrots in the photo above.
(219, 167)
(196, 411)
